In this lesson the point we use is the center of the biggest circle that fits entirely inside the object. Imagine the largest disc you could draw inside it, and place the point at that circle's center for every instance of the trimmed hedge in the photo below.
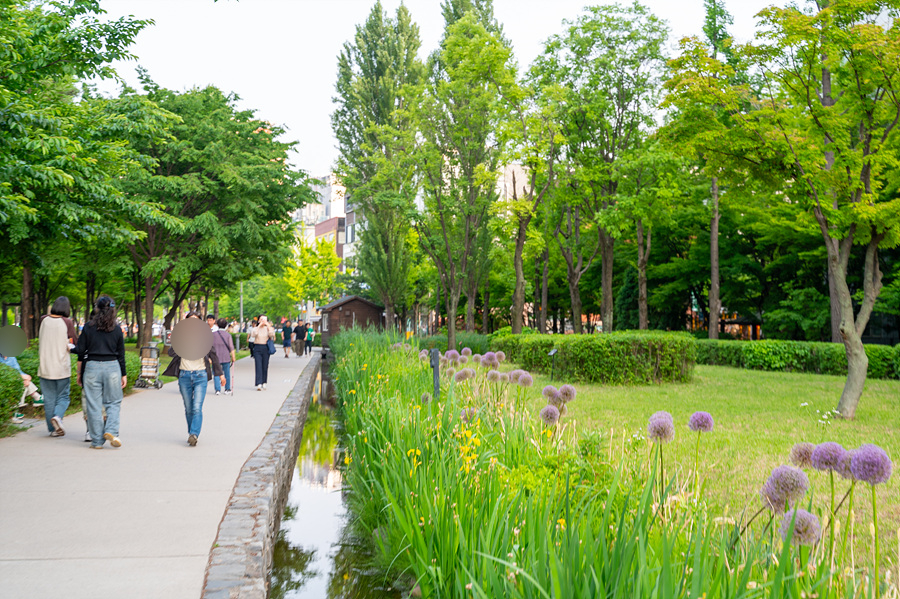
(10, 392)
(479, 344)
(626, 357)
(29, 362)
(796, 356)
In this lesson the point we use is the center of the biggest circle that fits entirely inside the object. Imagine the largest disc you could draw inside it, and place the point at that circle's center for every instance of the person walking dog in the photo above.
(101, 372)
(263, 348)
(57, 338)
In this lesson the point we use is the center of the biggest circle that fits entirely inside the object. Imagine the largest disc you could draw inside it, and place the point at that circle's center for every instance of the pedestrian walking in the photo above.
(224, 347)
(309, 337)
(263, 348)
(193, 379)
(57, 338)
(101, 372)
(286, 333)
(299, 338)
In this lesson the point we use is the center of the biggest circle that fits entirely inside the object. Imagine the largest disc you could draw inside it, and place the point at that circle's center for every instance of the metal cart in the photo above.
(149, 367)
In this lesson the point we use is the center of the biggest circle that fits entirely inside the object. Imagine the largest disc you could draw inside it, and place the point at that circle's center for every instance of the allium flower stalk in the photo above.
(871, 464)
(555, 399)
(549, 415)
(463, 359)
(451, 372)
(461, 376)
(452, 355)
(493, 376)
(476, 358)
(801, 455)
(784, 488)
(700, 422)
(466, 351)
(567, 393)
(661, 430)
(807, 530)
(829, 456)
(468, 414)
(515, 374)
(504, 377)
(525, 380)
(425, 399)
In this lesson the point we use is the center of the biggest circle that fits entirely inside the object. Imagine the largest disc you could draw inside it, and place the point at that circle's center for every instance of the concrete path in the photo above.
(138, 521)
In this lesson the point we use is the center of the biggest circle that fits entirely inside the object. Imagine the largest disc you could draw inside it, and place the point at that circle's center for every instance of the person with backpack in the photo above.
(224, 347)
(57, 338)
(101, 372)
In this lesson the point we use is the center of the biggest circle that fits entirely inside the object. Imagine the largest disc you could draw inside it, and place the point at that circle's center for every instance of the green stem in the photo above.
(849, 516)
(831, 521)
(877, 557)
(662, 476)
(697, 471)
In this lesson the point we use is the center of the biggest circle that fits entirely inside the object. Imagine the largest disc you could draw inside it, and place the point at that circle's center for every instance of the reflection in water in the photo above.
(316, 554)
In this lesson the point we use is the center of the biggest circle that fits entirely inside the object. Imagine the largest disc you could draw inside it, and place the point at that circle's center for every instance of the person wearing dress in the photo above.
(101, 372)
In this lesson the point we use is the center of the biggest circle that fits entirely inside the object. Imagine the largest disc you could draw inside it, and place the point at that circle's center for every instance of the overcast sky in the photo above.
(280, 56)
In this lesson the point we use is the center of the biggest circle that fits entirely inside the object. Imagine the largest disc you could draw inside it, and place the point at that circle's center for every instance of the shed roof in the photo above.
(347, 299)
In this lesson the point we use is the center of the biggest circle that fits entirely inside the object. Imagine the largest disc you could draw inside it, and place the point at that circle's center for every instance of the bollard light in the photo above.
(436, 367)
(552, 354)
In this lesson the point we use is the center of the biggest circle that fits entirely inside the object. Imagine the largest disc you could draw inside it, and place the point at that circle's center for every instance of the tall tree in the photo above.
(610, 61)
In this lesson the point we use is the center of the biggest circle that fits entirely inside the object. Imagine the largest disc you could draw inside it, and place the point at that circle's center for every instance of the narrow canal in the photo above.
(316, 553)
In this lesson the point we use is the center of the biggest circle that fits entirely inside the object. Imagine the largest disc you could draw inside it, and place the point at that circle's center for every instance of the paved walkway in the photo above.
(133, 522)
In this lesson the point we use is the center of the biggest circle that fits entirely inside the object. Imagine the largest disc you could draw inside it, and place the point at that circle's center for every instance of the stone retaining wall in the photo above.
(241, 558)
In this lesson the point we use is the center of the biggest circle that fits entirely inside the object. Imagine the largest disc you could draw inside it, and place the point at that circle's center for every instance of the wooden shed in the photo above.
(347, 312)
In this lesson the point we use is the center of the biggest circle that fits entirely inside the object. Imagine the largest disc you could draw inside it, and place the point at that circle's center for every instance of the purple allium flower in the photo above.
(661, 428)
(550, 415)
(468, 414)
(423, 355)
(701, 422)
(827, 456)
(460, 376)
(549, 391)
(426, 398)
(444, 362)
(493, 376)
(501, 355)
(807, 530)
(567, 393)
(463, 359)
(525, 380)
(450, 371)
(801, 455)
(466, 351)
(555, 399)
(476, 358)
(489, 356)
(871, 464)
(515, 374)
(845, 470)
(785, 487)
(504, 377)
(452, 355)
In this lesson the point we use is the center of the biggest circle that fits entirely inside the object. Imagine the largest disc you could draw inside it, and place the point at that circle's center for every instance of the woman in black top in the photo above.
(101, 372)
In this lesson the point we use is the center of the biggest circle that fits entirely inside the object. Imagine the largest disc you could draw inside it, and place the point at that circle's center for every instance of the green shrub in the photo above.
(795, 356)
(478, 343)
(507, 331)
(626, 357)
(29, 362)
(10, 392)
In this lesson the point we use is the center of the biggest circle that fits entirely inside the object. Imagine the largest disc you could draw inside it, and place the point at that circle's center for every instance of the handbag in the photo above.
(271, 345)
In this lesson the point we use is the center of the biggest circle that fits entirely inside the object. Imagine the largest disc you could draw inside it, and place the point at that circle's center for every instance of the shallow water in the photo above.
(316, 555)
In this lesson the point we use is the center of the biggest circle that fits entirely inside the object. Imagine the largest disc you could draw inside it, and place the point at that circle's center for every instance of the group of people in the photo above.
(101, 373)
(300, 338)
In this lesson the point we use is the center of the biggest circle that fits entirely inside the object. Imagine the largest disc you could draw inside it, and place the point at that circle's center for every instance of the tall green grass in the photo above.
(497, 505)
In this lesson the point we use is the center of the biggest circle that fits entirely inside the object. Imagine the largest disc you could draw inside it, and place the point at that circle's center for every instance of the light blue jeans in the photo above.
(192, 384)
(56, 398)
(102, 389)
(226, 368)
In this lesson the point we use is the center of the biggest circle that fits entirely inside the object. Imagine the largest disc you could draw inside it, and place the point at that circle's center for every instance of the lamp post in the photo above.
(552, 354)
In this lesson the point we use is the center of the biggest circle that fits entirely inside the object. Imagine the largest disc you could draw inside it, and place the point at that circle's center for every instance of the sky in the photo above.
(280, 56)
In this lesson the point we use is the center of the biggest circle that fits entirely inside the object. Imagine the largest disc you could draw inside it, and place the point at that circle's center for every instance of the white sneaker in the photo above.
(264, 387)
(218, 393)
(259, 387)
(87, 437)
(229, 392)
(56, 423)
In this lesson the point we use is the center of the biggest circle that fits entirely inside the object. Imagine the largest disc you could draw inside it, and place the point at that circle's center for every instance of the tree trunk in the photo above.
(835, 305)
(643, 257)
(147, 320)
(452, 307)
(575, 298)
(545, 276)
(28, 302)
(90, 283)
(486, 314)
(389, 315)
(715, 303)
(518, 307)
(216, 307)
(607, 244)
(471, 297)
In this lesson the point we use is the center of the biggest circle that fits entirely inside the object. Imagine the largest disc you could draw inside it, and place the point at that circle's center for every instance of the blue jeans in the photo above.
(226, 369)
(102, 390)
(192, 384)
(56, 398)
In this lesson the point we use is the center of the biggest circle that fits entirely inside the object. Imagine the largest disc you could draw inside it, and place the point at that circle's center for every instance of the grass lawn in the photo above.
(758, 418)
